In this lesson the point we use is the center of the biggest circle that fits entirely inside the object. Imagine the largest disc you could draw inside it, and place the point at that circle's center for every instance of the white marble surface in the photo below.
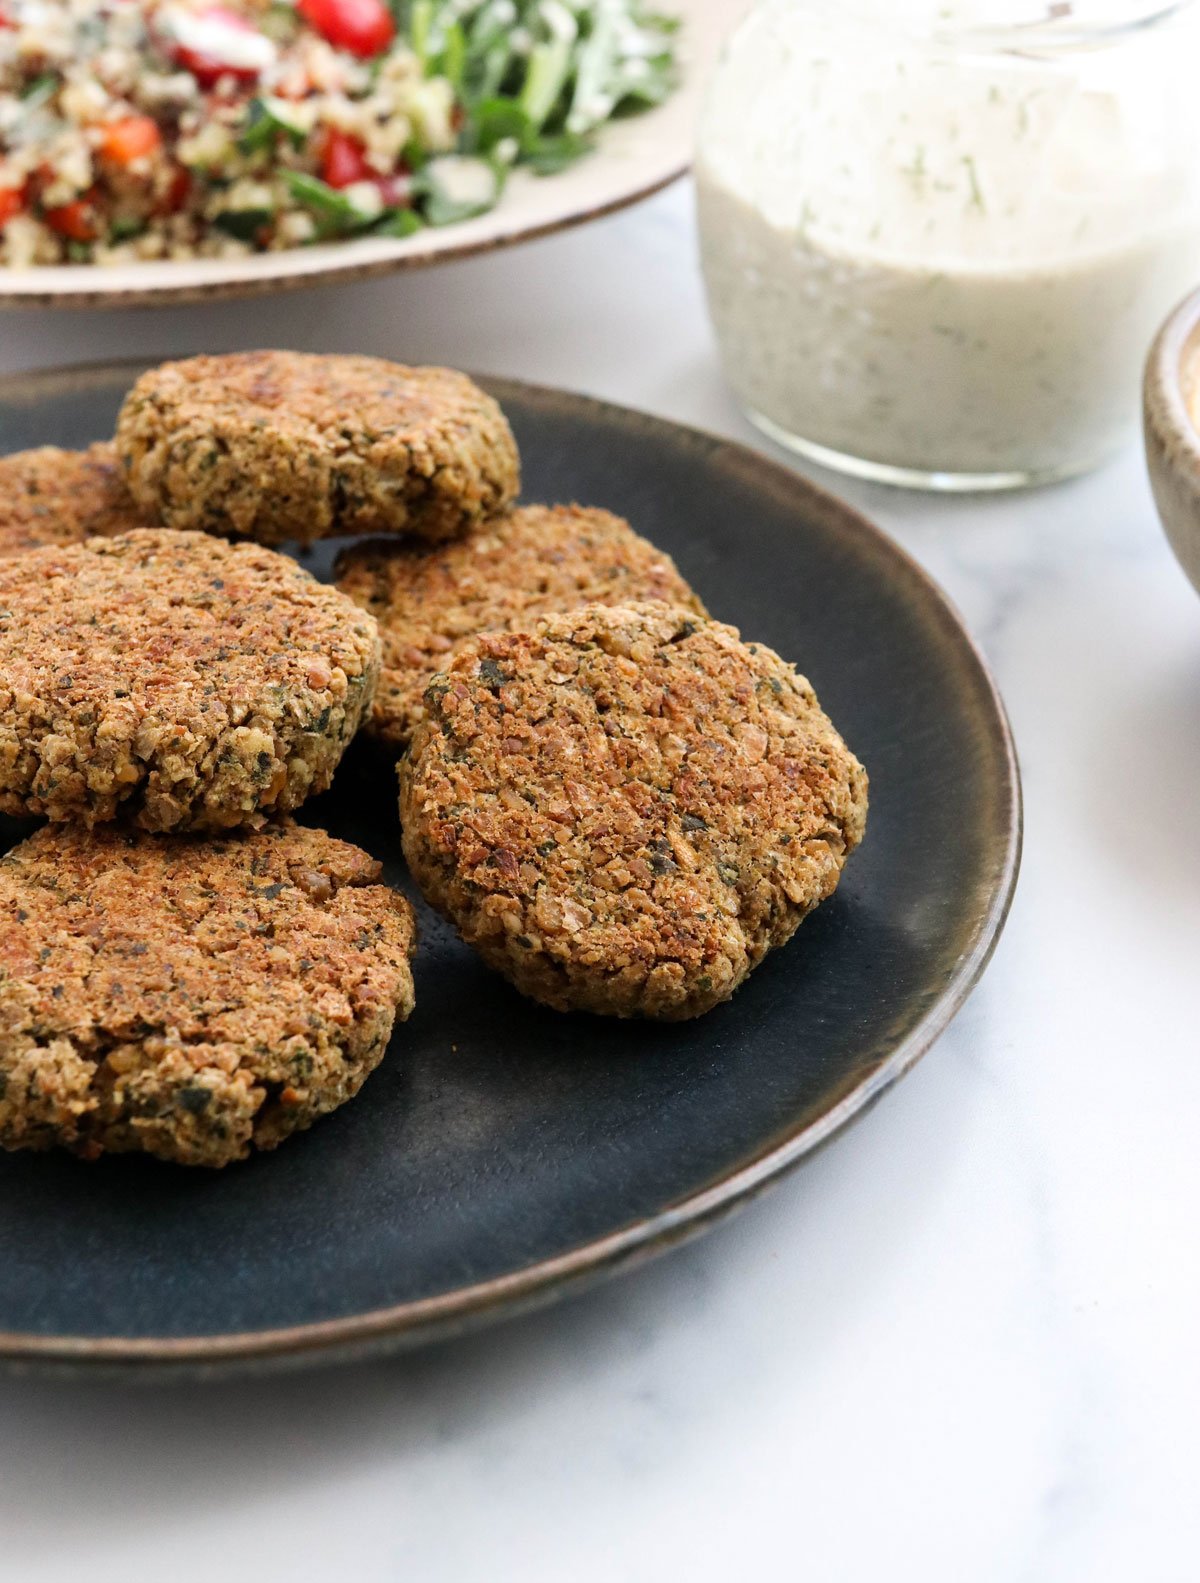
(959, 1345)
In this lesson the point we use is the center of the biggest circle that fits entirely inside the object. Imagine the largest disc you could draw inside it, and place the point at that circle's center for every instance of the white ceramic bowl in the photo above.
(1172, 440)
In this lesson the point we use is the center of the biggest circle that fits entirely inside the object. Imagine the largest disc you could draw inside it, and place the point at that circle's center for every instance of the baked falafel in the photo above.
(52, 496)
(431, 599)
(191, 998)
(291, 445)
(624, 808)
(176, 679)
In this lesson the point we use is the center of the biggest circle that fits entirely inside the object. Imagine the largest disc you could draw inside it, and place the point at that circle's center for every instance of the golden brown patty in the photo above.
(173, 677)
(429, 601)
(288, 445)
(625, 808)
(190, 998)
(50, 496)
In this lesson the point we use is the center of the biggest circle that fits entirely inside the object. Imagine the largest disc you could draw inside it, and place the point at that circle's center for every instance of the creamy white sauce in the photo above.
(943, 260)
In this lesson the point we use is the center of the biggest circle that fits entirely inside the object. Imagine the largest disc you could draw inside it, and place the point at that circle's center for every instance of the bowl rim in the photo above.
(1165, 400)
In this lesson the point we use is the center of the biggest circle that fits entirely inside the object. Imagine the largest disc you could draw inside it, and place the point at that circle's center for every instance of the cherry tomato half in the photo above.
(75, 220)
(343, 160)
(213, 43)
(364, 27)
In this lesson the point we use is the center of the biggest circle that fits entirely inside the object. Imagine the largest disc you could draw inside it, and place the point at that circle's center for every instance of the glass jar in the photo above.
(937, 243)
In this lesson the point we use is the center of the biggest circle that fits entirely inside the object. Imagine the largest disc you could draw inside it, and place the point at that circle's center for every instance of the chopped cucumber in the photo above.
(267, 119)
(458, 187)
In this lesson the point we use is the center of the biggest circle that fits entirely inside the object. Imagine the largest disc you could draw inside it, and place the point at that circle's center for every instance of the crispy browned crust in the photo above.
(288, 445)
(175, 679)
(191, 998)
(624, 808)
(50, 496)
(430, 600)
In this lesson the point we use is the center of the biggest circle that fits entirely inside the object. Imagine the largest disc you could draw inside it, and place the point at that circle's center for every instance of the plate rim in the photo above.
(323, 274)
(406, 1325)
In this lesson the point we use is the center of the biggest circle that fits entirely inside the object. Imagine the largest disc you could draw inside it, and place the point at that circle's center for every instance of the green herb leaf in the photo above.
(546, 156)
(420, 26)
(454, 57)
(399, 222)
(244, 224)
(323, 199)
(494, 120)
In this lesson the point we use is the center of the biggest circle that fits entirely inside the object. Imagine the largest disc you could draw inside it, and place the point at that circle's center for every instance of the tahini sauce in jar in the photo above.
(936, 249)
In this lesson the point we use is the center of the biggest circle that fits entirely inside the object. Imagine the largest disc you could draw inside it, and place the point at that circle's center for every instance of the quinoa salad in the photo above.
(161, 129)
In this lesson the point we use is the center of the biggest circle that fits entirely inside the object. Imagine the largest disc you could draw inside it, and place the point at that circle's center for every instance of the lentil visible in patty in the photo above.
(174, 678)
(430, 600)
(191, 998)
(625, 808)
(288, 445)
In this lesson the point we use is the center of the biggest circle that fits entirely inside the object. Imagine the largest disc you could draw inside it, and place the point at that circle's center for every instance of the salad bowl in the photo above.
(628, 158)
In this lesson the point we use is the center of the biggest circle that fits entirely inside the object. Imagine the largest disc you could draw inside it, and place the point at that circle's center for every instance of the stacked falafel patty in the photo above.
(52, 496)
(618, 803)
(183, 970)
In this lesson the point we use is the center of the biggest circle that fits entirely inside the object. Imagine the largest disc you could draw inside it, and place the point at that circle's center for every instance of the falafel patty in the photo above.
(175, 678)
(51, 496)
(290, 445)
(191, 998)
(429, 601)
(625, 808)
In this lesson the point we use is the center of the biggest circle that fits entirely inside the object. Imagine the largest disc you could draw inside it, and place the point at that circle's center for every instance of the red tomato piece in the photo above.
(75, 220)
(364, 27)
(343, 160)
(130, 139)
(12, 201)
(178, 191)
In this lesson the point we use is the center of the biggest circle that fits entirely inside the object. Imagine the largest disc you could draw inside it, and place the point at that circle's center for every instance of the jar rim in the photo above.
(1039, 27)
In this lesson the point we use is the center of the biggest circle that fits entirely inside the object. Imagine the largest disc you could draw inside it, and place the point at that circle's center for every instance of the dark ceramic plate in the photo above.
(504, 1154)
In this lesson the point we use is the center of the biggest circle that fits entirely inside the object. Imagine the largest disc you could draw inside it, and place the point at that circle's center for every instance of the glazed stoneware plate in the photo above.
(635, 156)
(504, 1154)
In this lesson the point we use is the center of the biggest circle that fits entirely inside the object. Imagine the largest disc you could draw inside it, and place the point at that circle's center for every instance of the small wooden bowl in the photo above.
(1172, 438)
